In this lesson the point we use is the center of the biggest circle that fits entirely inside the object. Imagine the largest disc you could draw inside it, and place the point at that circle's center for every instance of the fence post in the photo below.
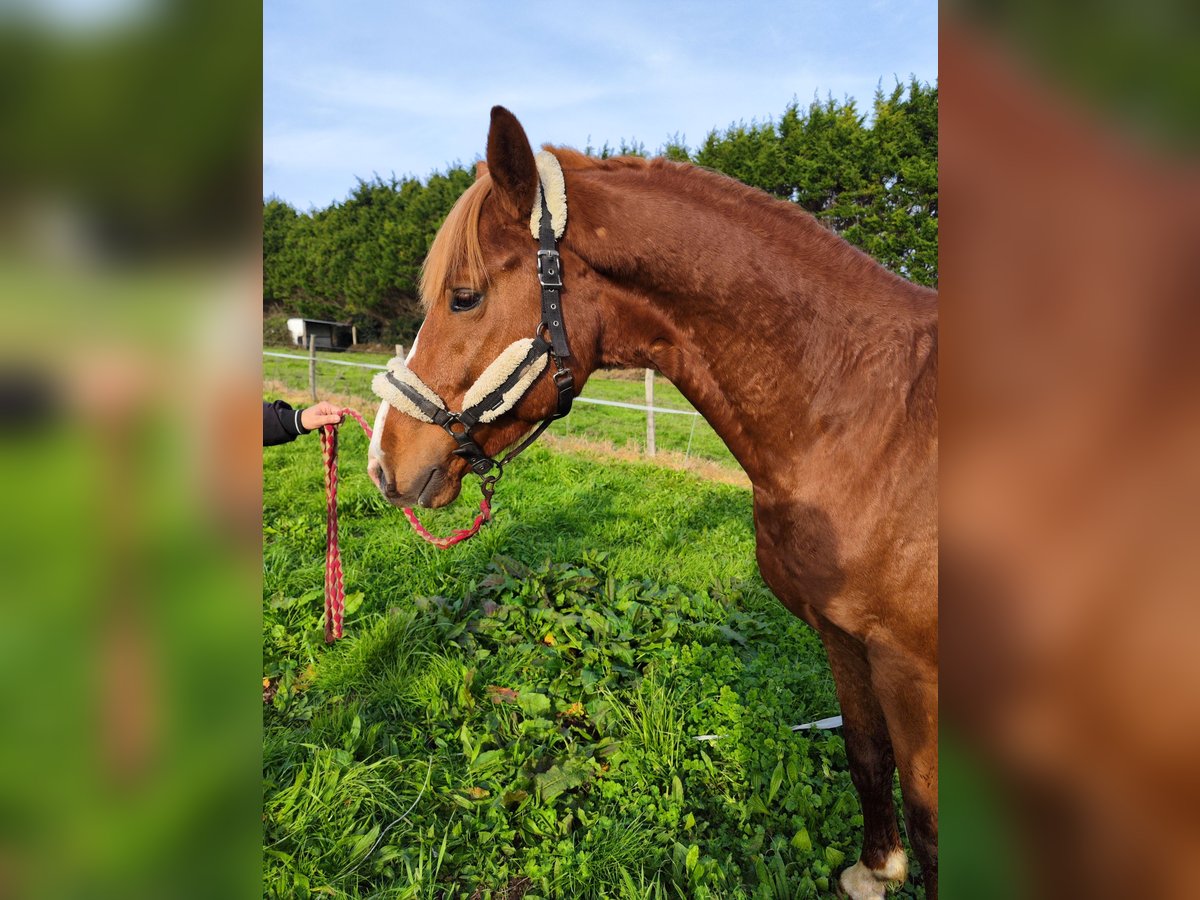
(650, 449)
(400, 351)
(353, 334)
(312, 366)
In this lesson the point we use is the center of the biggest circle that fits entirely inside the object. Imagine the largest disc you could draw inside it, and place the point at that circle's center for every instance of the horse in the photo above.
(815, 365)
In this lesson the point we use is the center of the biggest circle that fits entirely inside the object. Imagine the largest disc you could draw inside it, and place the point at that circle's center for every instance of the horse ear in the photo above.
(480, 169)
(510, 162)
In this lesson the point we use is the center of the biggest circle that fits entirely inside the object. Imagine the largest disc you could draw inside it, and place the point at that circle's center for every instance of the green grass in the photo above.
(626, 428)
(331, 378)
(518, 713)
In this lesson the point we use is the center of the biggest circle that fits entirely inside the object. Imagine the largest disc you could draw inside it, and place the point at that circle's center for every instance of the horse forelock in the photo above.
(456, 252)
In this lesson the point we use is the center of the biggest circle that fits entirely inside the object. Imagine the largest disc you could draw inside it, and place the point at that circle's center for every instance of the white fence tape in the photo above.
(822, 724)
(657, 409)
(343, 362)
(325, 359)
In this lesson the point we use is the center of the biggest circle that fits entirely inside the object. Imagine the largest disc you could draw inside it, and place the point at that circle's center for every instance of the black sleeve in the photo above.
(281, 423)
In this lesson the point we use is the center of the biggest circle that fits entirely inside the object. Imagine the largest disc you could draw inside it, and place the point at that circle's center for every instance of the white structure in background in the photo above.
(328, 335)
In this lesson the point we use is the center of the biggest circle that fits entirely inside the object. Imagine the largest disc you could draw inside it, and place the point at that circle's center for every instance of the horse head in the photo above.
(486, 334)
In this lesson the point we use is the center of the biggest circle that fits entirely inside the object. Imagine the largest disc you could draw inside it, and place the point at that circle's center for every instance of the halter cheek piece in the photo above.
(510, 376)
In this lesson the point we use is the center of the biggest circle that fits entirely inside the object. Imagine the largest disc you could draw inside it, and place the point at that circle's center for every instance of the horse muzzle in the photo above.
(415, 466)
(429, 487)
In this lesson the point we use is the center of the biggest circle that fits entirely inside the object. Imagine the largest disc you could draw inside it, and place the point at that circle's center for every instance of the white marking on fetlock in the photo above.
(860, 883)
(894, 868)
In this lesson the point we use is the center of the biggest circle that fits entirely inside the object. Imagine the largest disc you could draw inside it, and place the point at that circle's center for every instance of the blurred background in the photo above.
(1069, 476)
(130, 250)
(129, 272)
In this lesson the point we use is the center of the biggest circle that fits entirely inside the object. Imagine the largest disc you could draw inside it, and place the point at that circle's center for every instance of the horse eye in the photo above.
(462, 299)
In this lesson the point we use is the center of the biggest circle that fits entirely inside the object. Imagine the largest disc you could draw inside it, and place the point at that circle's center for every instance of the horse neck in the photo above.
(791, 343)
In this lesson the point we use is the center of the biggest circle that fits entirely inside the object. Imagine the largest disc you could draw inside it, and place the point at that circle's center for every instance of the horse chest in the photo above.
(811, 561)
(798, 555)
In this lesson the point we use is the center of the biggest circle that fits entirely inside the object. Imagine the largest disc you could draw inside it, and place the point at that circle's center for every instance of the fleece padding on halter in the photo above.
(392, 395)
(513, 360)
(495, 392)
(552, 182)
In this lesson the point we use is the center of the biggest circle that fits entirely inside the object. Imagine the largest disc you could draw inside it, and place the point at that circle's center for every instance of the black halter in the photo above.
(461, 425)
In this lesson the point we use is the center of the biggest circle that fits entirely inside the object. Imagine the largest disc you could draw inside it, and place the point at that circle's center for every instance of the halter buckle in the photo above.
(549, 269)
(483, 465)
(564, 381)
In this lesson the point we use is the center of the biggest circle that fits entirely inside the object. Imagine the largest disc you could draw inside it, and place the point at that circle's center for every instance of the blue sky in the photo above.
(354, 89)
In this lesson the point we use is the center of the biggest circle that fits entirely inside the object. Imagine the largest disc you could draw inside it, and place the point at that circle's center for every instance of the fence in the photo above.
(605, 413)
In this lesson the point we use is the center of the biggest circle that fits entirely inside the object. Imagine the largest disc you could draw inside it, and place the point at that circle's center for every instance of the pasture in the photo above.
(517, 716)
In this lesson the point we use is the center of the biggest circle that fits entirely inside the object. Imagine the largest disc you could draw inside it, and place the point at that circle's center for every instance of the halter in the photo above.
(514, 372)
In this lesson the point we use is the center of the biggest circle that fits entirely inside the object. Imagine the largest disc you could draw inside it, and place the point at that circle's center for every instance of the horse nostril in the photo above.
(386, 486)
(379, 475)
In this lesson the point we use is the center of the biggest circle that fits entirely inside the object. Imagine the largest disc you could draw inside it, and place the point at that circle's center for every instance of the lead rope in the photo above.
(335, 588)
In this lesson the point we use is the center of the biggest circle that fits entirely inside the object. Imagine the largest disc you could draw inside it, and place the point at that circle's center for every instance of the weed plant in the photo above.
(517, 716)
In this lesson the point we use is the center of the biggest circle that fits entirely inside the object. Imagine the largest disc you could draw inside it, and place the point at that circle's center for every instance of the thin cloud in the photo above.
(408, 90)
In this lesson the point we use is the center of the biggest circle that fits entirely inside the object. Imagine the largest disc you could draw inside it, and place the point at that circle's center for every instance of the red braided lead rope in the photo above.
(481, 519)
(335, 588)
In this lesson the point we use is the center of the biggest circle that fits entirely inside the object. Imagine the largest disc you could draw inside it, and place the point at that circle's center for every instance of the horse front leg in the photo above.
(872, 768)
(908, 692)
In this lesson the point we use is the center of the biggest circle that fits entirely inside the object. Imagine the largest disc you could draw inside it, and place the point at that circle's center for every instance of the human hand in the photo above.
(323, 413)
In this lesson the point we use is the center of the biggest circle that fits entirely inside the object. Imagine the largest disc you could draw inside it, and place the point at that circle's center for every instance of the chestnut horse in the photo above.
(815, 365)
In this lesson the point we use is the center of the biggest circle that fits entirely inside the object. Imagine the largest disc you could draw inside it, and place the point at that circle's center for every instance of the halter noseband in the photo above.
(509, 377)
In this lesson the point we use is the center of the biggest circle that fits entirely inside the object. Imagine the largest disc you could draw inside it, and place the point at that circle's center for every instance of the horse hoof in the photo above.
(860, 883)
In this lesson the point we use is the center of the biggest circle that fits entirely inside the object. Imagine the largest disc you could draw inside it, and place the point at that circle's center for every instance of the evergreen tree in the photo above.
(875, 184)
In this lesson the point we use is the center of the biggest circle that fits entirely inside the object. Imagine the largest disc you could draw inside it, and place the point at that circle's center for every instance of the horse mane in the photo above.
(570, 158)
(456, 248)
(755, 207)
